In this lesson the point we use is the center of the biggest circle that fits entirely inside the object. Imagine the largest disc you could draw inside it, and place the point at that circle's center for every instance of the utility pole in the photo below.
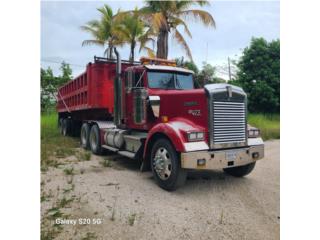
(229, 69)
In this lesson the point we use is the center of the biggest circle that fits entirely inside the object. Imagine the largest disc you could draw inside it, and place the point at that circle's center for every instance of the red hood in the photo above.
(191, 105)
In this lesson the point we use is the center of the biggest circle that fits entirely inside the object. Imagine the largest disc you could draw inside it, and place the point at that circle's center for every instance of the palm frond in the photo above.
(201, 15)
(93, 42)
(177, 21)
(179, 38)
(106, 52)
(106, 11)
(149, 51)
(203, 3)
(158, 21)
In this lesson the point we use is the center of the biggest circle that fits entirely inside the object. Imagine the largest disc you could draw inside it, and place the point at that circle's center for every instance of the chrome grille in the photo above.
(229, 122)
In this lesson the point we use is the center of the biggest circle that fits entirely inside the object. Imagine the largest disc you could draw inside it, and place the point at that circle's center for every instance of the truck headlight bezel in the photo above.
(254, 133)
(195, 136)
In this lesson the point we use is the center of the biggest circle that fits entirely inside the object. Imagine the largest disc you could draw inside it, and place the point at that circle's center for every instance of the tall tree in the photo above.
(102, 31)
(66, 73)
(187, 64)
(131, 29)
(50, 83)
(259, 75)
(206, 75)
(166, 16)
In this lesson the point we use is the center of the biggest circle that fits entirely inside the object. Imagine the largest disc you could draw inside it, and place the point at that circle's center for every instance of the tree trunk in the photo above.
(111, 52)
(162, 44)
(133, 45)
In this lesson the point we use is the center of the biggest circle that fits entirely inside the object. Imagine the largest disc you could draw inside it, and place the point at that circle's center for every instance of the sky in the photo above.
(236, 23)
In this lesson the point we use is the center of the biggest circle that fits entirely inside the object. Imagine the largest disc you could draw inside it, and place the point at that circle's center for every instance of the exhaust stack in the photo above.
(117, 91)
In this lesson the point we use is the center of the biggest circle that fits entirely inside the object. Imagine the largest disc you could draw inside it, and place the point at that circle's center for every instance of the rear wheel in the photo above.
(241, 170)
(65, 128)
(84, 136)
(94, 139)
(60, 122)
(166, 167)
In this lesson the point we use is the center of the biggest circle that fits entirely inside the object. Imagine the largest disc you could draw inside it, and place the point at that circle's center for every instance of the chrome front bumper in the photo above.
(218, 159)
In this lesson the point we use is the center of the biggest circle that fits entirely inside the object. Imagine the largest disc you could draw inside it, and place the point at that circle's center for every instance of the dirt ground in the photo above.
(120, 202)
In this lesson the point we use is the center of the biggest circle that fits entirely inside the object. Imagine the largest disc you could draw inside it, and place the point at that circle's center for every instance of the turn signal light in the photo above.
(164, 119)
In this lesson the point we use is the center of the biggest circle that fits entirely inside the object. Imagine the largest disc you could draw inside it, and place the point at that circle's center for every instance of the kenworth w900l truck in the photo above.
(151, 111)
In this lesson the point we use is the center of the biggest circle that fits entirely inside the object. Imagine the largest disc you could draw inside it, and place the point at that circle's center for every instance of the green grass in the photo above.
(269, 125)
(65, 202)
(53, 143)
(68, 171)
(106, 163)
(131, 219)
(84, 156)
(89, 236)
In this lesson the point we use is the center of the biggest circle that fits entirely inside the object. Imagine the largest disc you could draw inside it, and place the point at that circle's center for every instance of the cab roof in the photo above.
(168, 68)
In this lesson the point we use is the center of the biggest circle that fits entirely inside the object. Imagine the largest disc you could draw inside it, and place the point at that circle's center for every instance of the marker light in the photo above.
(164, 119)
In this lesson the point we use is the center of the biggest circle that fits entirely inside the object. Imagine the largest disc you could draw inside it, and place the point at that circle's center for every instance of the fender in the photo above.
(174, 130)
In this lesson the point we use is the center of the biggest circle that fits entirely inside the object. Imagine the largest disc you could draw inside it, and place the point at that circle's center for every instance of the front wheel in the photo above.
(166, 166)
(241, 170)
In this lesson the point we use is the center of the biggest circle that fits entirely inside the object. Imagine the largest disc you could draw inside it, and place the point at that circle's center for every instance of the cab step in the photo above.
(127, 154)
(110, 148)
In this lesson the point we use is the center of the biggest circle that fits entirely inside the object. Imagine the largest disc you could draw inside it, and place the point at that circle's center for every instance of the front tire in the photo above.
(166, 166)
(95, 140)
(241, 170)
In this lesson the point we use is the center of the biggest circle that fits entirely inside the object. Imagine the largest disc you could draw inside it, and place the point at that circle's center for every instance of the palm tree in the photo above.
(166, 16)
(131, 29)
(102, 31)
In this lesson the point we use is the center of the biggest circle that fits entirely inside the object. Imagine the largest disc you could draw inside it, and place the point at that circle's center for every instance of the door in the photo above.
(135, 99)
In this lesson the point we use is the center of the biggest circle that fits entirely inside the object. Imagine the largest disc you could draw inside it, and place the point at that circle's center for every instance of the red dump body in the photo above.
(93, 89)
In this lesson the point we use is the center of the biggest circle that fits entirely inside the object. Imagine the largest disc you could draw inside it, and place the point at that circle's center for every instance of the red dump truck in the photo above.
(151, 111)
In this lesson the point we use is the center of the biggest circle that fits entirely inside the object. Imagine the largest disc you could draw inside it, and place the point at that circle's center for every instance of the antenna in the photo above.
(229, 69)
(207, 53)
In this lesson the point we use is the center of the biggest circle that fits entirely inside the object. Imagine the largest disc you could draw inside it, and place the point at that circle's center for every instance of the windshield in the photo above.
(170, 80)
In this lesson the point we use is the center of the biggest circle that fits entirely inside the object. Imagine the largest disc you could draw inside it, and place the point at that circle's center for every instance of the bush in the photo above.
(269, 125)
(259, 75)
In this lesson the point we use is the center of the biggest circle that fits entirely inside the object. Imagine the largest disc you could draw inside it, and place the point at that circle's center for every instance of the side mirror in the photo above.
(155, 105)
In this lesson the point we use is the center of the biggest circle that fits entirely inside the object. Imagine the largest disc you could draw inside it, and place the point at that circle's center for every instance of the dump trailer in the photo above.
(150, 111)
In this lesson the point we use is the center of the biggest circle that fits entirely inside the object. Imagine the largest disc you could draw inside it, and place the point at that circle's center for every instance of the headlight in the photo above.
(253, 133)
(195, 136)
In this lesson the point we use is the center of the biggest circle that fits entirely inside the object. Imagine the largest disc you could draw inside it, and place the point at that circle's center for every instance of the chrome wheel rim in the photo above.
(162, 164)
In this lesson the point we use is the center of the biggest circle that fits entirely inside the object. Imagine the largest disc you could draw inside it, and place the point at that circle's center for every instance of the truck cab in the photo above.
(206, 127)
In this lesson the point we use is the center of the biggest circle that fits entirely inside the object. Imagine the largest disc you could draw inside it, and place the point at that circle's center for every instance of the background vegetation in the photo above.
(259, 75)
(50, 83)
(269, 124)
(53, 143)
